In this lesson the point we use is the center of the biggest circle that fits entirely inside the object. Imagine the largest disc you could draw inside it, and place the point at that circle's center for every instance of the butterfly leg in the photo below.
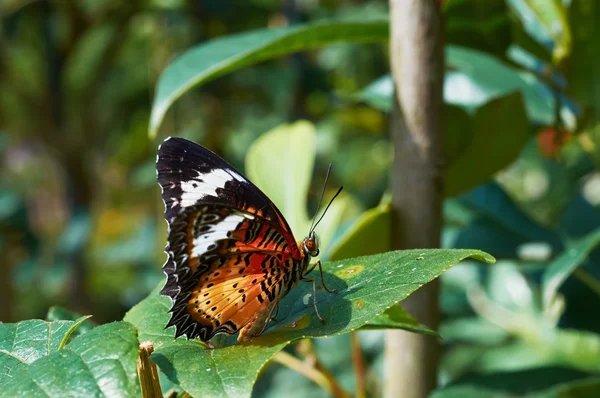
(272, 318)
(269, 317)
(312, 267)
(314, 282)
(323, 280)
(257, 325)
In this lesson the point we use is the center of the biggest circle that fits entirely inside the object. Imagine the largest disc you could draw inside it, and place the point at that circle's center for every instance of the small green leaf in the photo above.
(497, 141)
(553, 15)
(560, 269)
(101, 362)
(58, 313)
(369, 234)
(396, 317)
(221, 56)
(366, 286)
(77, 323)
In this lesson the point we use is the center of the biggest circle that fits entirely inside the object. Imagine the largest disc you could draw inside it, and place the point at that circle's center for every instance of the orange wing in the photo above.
(232, 268)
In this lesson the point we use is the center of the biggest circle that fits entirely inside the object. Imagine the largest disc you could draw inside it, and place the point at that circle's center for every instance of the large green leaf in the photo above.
(371, 233)
(502, 125)
(470, 162)
(474, 79)
(501, 386)
(221, 56)
(575, 253)
(583, 76)
(31, 340)
(498, 224)
(366, 286)
(101, 362)
(286, 175)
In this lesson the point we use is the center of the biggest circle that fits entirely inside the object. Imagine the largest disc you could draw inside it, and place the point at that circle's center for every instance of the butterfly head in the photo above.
(311, 244)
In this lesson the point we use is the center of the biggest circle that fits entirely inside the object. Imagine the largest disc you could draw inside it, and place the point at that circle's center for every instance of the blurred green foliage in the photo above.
(81, 217)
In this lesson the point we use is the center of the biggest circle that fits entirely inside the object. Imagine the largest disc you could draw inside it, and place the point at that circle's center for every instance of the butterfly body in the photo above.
(231, 255)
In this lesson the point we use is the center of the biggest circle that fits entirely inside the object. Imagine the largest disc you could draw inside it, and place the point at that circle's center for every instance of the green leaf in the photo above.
(369, 234)
(101, 362)
(583, 76)
(366, 287)
(286, 178)
(503, 219)
(560, 269)
(150, 317)
(72, 329)
(396, 317)
(31, 340)
(223, 55)
(58, 313)
(506, 136)
(553, 15)
(473, 79)
(586, 388)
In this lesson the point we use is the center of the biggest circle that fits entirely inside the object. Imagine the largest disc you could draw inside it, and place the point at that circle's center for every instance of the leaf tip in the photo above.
(483, 257)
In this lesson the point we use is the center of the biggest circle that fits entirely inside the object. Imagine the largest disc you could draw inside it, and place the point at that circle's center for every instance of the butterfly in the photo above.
(232, 256)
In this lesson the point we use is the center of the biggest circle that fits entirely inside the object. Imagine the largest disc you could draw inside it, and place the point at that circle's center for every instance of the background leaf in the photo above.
(496, 142)
(218, 57)
(101, 362)
(560, 269)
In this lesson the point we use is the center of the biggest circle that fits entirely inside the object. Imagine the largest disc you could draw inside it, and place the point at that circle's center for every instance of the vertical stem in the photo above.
(417, 63)
(359, 366)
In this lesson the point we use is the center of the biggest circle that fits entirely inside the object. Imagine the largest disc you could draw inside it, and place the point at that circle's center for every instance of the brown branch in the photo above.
(417, 63)
(359, 366)
(313, 373)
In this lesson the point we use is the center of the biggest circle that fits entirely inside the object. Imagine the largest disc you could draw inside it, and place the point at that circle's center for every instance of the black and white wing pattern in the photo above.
(231, 253)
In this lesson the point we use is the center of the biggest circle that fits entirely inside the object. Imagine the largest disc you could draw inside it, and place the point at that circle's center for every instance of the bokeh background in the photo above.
(80, 211)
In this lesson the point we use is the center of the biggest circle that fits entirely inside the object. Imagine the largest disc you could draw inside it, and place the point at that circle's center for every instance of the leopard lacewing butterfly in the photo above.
(231, 254)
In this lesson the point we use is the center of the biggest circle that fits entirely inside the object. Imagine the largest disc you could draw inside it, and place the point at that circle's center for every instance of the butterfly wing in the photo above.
(231, 253)
(190, 174)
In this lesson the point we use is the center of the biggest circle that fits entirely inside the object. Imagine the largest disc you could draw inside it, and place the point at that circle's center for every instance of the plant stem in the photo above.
(417, 181)
(359, 365)
(147, 372)
(587, 280)
(313, 373)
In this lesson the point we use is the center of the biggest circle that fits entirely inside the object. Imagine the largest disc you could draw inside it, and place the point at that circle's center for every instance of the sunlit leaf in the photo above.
(101, 362)
(369, 234)
(473, 79)
(224, 55)
(366, 287)
(560, 269)
(396, 317)
(553, 16)
(281, 164)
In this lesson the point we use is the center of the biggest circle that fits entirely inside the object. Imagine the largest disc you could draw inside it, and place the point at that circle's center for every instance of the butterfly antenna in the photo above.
(314, 225)
(330, 202)
(320, 199)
